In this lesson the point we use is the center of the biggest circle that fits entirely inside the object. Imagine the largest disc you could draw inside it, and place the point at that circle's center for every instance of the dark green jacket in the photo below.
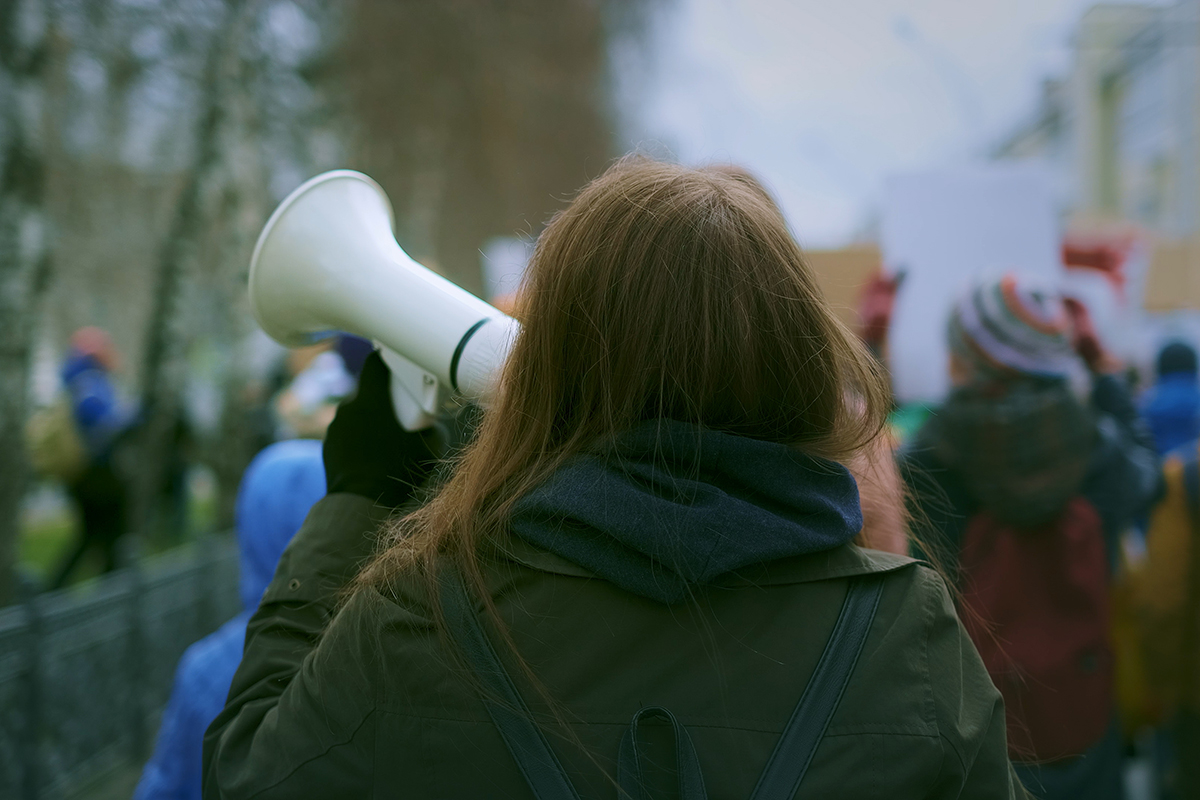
(375, 706)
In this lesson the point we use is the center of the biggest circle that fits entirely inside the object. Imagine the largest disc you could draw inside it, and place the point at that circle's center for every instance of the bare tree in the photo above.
(163, 371)
(24, 262)
(276, 132)
(259, 113)
(477, 117)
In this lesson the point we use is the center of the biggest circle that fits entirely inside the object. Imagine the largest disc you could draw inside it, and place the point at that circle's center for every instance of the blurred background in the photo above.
(143, 143)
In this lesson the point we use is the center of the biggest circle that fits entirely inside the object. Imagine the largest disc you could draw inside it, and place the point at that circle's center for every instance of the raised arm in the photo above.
(372, 466)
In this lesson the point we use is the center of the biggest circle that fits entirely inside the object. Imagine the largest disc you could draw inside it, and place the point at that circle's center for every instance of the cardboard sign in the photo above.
(946, 229)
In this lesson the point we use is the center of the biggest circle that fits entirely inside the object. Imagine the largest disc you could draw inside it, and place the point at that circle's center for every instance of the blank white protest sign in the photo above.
(944, 229)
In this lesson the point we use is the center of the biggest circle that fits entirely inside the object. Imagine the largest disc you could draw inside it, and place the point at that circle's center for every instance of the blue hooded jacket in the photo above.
(100, 414)
(278, 489)
(1172, 410)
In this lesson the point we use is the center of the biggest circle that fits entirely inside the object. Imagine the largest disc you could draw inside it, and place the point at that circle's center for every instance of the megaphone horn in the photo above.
(327, 260)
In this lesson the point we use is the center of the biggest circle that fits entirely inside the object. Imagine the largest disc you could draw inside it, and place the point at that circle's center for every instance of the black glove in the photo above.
(367, 453)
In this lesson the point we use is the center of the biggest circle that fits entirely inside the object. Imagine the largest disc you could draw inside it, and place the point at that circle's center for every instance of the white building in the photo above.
(1120, 131)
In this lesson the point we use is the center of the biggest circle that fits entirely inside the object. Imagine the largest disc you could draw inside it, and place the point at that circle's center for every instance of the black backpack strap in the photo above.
(687, 765)
(794, 752)
(524, 739)
(810, 718)
(784, 771)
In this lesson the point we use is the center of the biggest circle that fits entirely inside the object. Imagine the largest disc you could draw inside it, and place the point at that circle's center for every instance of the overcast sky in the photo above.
(824, 98)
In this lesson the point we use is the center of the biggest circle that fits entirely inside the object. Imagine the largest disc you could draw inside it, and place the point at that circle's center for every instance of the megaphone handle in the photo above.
(410, 413)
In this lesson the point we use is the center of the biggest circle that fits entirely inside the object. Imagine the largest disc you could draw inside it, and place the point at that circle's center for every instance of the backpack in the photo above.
(1167, 585)
(1036, 604)
(785, 769)
(56, 449)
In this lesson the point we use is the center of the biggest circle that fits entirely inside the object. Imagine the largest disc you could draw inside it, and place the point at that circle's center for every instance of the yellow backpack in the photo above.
(56, 449)
(1167, 585)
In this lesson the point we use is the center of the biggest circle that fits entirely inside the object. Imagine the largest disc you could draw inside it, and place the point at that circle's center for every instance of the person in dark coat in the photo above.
(653, 513)
(1013, 440)
(278, 488)
(1172, 406)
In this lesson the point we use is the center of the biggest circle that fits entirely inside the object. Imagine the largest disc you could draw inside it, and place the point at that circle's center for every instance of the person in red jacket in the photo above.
(1014, 461)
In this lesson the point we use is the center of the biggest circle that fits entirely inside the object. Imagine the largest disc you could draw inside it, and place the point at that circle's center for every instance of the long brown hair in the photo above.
(662, 291)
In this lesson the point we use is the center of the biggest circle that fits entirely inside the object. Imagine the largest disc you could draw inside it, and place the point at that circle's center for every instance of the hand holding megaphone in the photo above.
(327, 260)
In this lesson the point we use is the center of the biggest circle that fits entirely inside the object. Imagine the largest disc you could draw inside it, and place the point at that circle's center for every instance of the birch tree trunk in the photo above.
(243, 208)
(164, 366)
(264, 125)
(24, 263)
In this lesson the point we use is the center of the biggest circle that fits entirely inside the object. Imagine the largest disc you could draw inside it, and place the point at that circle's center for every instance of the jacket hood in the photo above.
(278, 488)
(1022, 449)
(668, 507)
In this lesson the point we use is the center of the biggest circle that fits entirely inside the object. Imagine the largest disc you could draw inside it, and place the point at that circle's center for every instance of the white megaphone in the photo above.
(327, 261)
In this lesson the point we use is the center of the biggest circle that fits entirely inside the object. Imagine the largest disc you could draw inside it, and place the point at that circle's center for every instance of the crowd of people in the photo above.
(683, 554)
(87, 438)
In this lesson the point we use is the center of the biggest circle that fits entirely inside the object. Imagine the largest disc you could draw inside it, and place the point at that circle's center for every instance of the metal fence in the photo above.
(85, 672)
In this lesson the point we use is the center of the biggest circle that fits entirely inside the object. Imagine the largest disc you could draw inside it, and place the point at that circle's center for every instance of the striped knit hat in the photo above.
(1011, 327)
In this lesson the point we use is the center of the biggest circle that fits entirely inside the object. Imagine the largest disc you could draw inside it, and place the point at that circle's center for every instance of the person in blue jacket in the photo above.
(101, 418)
(277, 490)
(1172, 406)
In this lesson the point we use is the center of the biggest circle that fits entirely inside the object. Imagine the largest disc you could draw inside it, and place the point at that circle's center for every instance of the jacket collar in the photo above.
(668, 506)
